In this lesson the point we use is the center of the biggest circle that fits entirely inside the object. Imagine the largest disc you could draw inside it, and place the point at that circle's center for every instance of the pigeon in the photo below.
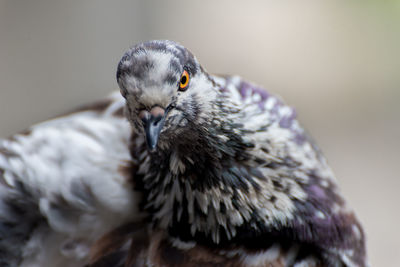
(183, 168)
(62, 186)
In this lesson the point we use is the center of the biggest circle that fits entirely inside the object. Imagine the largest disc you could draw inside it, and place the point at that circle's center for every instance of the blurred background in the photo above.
(337, 62)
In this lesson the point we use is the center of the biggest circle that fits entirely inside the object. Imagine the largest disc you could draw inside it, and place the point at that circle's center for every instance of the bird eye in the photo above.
(183, 83)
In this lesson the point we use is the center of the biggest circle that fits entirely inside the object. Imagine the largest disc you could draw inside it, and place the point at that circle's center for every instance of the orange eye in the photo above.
(184, 81)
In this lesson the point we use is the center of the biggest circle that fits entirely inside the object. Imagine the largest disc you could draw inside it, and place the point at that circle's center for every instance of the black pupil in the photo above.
(183, 80)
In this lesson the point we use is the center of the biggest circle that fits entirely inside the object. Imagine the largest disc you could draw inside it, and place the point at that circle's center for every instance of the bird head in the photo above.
(166, 91)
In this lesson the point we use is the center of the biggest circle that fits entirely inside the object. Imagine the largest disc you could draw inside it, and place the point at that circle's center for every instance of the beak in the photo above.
(153, 122)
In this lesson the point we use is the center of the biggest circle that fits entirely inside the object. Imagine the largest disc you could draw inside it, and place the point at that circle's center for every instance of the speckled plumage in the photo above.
(233, 169)
(234, 180)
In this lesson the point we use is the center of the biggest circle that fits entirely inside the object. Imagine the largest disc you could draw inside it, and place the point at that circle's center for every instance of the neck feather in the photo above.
(190, 185)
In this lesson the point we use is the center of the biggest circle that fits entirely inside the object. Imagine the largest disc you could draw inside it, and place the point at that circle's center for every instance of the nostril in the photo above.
(157, 120)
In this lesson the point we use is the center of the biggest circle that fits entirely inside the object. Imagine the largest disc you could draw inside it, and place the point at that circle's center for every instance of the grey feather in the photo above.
(61, 188)
(227, 177)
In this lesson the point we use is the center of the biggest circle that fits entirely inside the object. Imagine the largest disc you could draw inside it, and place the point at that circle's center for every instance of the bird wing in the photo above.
(63, 184)
(320, 215)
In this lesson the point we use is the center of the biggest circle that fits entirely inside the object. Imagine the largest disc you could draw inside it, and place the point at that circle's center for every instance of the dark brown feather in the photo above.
(112, 242)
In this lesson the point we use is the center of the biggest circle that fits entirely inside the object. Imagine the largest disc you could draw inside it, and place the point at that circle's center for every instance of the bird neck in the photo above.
(187, 188)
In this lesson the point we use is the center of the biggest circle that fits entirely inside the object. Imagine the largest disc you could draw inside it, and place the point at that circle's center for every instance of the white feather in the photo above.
(71, 165)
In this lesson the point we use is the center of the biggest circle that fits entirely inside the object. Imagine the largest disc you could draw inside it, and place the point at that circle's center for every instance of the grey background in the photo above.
(337, 62)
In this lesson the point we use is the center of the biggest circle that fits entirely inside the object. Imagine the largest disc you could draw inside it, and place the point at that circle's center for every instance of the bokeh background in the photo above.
(337, 62)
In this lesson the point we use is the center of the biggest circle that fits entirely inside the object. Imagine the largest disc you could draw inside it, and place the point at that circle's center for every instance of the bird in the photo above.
(61, 186)
(181, 168)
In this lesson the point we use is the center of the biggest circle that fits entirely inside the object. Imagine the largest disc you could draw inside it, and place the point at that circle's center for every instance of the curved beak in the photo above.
(153, 122)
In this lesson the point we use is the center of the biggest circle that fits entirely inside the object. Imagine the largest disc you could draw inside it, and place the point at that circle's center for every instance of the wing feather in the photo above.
(62, 188)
